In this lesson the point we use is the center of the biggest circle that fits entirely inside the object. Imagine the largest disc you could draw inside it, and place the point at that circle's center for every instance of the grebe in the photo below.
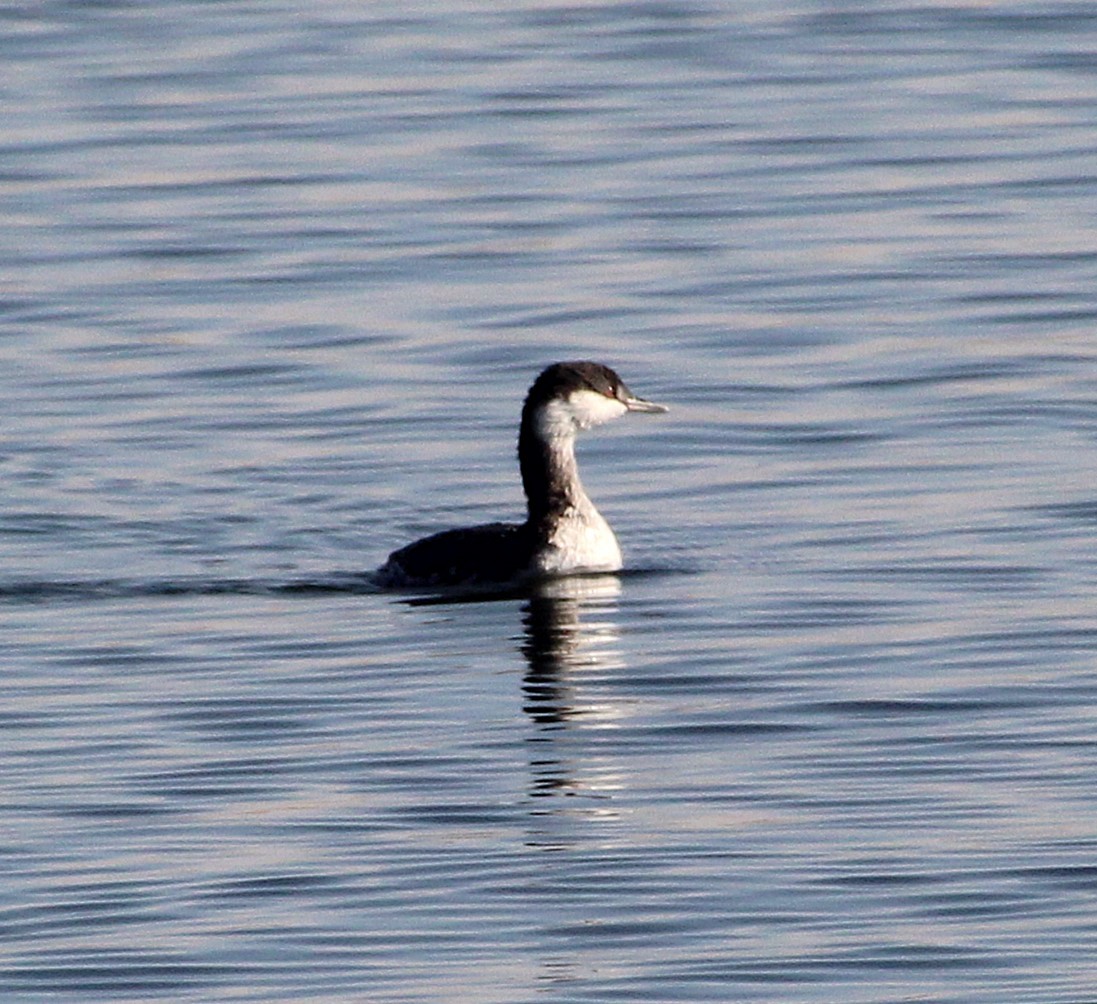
(563, 532)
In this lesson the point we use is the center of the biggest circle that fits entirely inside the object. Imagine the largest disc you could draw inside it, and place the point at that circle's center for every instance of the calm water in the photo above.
(275, 278)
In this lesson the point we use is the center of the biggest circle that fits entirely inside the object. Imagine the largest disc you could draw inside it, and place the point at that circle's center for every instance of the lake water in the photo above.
(275, 279)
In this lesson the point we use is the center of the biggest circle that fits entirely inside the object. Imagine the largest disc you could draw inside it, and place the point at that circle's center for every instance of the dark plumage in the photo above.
(454, 557)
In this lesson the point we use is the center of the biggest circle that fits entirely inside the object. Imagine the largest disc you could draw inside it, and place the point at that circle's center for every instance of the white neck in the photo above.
(578, 537)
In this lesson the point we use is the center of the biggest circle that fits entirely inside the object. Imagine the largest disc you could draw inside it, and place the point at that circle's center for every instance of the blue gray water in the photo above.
(275, 278)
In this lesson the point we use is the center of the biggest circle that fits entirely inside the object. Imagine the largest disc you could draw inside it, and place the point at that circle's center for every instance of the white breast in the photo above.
(582, 541)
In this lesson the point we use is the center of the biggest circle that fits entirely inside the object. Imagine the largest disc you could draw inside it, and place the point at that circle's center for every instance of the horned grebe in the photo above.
(563, 532)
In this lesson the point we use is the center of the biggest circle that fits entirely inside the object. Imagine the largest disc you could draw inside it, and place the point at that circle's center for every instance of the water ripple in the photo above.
(274, 289)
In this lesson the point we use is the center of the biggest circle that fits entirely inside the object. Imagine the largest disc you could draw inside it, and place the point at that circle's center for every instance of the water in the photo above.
(275, 280)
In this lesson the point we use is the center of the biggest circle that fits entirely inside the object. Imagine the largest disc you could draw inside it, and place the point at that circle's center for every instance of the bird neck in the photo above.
(550, 473)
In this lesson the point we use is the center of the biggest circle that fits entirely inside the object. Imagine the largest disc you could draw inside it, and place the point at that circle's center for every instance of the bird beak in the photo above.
(639, 404)
(634, 403)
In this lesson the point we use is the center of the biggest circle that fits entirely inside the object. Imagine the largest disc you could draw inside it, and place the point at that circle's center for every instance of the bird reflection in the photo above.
(569, 635)
(557, 641)
(569, 639)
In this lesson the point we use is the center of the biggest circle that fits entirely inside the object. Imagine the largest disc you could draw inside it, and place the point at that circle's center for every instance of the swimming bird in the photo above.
(563, 532)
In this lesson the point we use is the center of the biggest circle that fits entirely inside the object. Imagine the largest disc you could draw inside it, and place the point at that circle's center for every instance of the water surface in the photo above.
(275, 280)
